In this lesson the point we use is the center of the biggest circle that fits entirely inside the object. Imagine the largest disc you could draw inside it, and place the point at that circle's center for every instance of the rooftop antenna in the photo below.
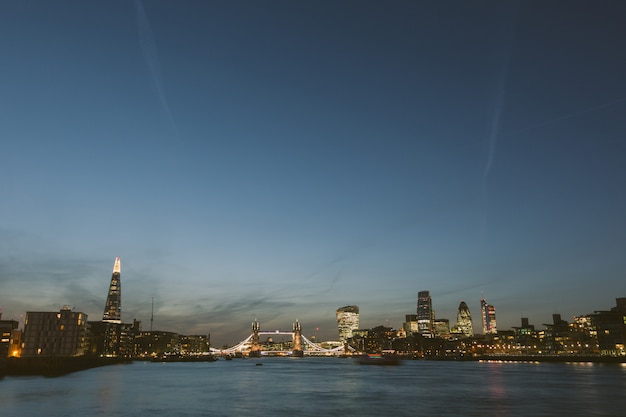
(152, 315)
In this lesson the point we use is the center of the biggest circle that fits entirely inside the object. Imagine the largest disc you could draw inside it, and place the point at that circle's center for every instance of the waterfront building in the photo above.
(62, 333)
(611, 328)
(10, 338)
(584, 336)
(556, 339)
(195, 343)
(488, 315)
(425, 314)
(464, 321)
(154, 343)
(347, 321)
(113, 306)
(111, 339)
(527, 338)
(379, 338)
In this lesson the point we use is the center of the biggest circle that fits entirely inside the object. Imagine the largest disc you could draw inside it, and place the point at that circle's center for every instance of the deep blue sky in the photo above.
(277, 160)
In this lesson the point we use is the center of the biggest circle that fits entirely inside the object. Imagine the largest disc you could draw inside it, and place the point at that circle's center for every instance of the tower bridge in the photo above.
(300, 345)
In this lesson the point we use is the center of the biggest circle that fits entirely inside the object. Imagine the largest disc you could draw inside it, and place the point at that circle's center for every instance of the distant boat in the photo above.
(378, 359)
(184, 358)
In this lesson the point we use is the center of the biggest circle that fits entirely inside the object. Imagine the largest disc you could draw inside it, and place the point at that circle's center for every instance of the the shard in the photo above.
(113, 307)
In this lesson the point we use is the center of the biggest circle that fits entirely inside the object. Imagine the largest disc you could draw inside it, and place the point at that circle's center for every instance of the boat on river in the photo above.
(378, 359)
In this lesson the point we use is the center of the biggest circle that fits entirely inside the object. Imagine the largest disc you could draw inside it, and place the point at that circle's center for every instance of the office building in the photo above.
(410, 324)
(488, 315)
(442, 328)
(425, 315)
(113, 307)
(464, 321)
(347, 321)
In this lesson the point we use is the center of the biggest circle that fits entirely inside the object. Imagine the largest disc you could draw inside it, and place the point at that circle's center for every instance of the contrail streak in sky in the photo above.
(507, 45)
(146, 41)
(507, 29)
(495, 122)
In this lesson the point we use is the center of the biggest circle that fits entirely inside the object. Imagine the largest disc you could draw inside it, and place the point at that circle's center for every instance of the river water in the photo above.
(300, 387)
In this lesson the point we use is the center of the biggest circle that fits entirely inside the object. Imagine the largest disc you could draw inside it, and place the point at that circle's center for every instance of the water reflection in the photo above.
(314, 387)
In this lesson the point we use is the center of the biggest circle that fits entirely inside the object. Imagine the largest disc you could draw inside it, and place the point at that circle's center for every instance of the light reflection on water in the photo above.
(322, 386)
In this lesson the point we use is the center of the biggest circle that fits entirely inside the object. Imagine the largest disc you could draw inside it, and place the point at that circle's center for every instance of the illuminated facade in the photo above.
(62, 333)
(464, 321)
(347, 321)
(195, 344)
(442, 328)
(488, 314)
(113, 307)
(297, 339)
(11, 337)
(410, 324)
(425, 315)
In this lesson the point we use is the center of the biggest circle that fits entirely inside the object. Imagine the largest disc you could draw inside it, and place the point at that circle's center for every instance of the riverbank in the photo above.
(549, 358)
(53, 366)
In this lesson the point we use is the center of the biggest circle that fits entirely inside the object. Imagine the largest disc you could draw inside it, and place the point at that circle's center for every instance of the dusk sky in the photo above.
(280, 159)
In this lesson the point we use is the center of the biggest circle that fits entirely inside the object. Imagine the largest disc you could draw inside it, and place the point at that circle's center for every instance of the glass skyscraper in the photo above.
(347, 321)
(488, 313)
(113, 307)
(425, 316)
(464, 321)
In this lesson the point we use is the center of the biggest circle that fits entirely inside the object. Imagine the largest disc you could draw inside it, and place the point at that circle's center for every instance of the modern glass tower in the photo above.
(113, 307)
(347, 321)
(464, 321)
(488, 313)
(425, 316)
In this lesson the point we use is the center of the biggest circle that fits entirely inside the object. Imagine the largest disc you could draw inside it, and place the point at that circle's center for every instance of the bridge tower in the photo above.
(297, 340)
(255, 348)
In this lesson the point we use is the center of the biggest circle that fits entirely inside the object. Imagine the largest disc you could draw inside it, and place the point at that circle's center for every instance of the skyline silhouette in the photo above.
(279, 160)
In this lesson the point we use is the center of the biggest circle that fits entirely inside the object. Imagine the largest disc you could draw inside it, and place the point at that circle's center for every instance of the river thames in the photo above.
(298, 387)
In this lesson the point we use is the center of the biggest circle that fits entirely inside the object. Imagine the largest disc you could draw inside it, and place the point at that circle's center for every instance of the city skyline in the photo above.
(277, 161)
(347, 317)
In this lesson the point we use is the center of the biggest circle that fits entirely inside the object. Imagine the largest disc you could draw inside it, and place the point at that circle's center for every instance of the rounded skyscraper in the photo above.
(464, 321)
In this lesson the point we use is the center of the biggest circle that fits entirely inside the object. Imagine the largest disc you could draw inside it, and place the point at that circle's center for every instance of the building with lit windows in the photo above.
(347, 321)
(62, 333)
(410, 324)
(464, 326)
(425, 315)
(111, 337)
(113, 307)
(611, 328)
(488, 315)
(10, 338)
(195, 344)
(442, 328)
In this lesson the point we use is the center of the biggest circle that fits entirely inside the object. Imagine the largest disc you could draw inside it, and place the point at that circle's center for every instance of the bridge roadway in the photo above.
(310, 348)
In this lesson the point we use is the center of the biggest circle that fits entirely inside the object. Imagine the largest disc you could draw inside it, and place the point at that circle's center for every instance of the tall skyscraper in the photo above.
(113, 307)
(425, 315)
(464, 321)
(488, 313)
(347, 321)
